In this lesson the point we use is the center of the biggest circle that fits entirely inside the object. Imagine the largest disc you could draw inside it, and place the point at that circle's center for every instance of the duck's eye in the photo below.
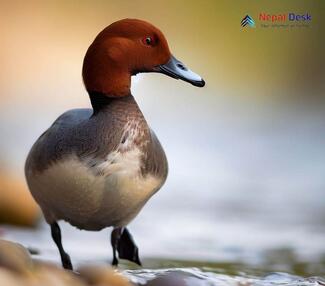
(147, 41)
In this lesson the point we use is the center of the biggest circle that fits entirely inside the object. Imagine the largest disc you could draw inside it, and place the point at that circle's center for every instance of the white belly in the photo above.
(109, 194)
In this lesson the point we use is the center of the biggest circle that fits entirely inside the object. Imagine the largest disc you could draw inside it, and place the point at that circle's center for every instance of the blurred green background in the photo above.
(246, 153)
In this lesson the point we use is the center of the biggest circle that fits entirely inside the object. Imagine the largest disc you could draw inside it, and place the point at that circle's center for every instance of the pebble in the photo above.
(103, 275)
(15, 257)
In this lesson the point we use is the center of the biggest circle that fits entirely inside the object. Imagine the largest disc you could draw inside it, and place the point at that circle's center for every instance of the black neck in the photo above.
(100, 100)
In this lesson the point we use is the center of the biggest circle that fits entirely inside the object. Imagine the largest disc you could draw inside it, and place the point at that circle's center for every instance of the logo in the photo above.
(284, 17)
(278, 20)
(247, 20)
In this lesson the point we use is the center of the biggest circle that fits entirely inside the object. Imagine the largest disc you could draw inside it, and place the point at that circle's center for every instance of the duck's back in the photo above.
(96, 170)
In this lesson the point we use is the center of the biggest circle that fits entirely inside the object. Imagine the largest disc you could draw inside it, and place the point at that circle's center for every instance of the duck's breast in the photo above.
(92, 191)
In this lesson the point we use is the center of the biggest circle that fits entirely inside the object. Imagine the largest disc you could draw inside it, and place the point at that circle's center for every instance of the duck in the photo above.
(97, 167)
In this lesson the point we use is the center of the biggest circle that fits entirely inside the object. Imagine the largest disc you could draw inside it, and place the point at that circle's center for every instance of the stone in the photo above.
(103, 275)
(15, 257)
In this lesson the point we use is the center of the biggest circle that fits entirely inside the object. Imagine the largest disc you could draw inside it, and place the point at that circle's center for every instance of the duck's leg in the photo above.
(56, 235)
(115, 236)
(127, 249)
(123, 242)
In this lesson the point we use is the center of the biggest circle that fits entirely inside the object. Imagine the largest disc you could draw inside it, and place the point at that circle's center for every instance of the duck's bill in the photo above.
(176, 69)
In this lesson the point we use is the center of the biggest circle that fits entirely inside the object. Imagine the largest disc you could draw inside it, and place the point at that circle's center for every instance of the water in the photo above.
(196, 277)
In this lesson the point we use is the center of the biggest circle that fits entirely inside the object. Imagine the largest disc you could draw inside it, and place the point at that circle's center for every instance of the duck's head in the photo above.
(125, 48)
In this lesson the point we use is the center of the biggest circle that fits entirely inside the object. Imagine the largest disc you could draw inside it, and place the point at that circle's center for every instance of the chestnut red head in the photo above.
(126, 48)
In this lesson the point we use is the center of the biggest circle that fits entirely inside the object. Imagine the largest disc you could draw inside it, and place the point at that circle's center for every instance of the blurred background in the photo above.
(246, 153)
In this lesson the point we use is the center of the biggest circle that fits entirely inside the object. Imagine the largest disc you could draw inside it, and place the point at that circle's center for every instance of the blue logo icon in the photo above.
(247, 20)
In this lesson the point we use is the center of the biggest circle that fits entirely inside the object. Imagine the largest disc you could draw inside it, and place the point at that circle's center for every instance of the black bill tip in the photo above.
(198, 83)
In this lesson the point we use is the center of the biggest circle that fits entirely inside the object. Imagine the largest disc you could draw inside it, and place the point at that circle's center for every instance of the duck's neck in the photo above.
(101, 101)
(102, 74)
